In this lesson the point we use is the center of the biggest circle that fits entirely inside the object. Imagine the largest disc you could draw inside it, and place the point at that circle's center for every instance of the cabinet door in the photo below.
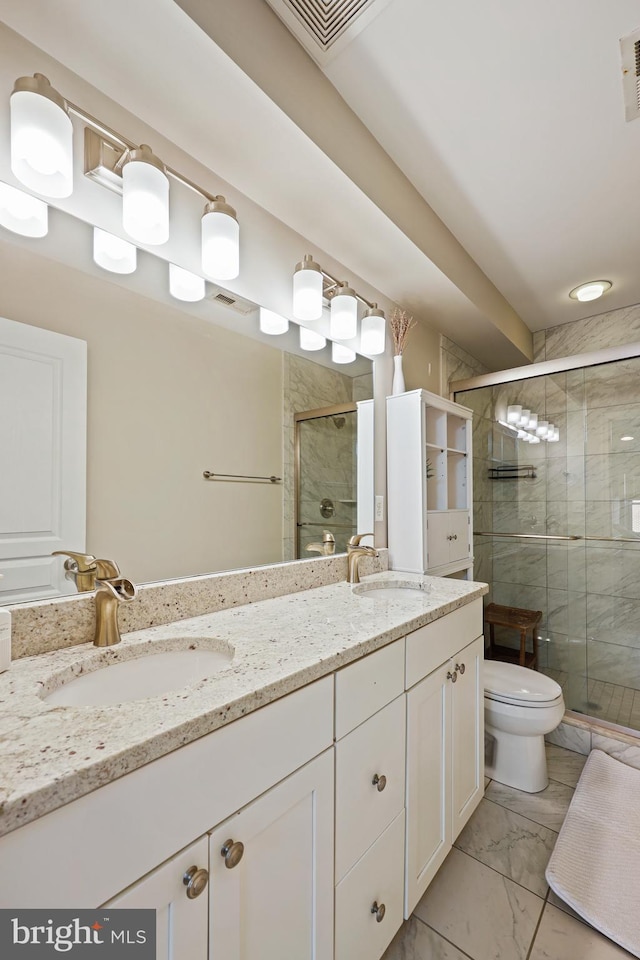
(438, 544)
(458, 531)
(181, 922)
(277, 901)
(428, 778)
(467, 734)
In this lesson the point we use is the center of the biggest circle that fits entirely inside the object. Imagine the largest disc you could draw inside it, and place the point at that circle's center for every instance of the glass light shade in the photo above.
(184, 285)
(524, 418)
(113, 253)
(533, 439)
(310, 340)
(554, 437)
(373, 332)
(344, 314)
(307, 290)
(220, 240)
(272, 323)
(541, 429)
(590, 291)
(21, 213)
(342, 354)
(41, 138)
(514, 412)
(145, 197)
(533, 421)
(523, 435)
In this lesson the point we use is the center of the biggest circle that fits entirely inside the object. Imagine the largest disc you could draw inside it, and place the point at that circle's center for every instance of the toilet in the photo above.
(520, 706)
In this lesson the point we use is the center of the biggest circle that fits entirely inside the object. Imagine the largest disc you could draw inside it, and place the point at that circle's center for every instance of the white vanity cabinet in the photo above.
(181, 910)
(429, 484)
(445, 741)
(272, 872)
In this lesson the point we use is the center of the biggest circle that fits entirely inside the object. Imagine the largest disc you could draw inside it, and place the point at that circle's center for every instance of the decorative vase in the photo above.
(397, 385)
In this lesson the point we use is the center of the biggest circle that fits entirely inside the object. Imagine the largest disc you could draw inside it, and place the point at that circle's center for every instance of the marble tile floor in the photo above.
(603, 701)
(490, 899)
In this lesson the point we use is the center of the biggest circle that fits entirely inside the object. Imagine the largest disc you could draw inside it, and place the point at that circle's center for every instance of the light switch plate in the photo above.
(379, 508)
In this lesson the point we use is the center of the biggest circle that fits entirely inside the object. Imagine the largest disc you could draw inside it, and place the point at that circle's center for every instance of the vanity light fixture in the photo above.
(310, 340)
(184, 285)
(591, 290)
(272, 323)
(342, 354)
(344, 313)
(41, 137)
(113, 253)
(541, 429)
(307, 290)
(220, 240)
(21, 213)
(524, 418)
(514, 412)
(145, 196)
(528, 426)
(534, 439)
(533, 422)
(373, 332)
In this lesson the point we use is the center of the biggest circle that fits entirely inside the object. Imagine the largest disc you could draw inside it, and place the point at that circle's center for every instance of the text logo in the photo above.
(80, 934)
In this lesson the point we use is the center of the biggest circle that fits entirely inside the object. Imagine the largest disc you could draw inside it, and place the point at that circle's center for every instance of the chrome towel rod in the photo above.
(209, 475)
(526, 536)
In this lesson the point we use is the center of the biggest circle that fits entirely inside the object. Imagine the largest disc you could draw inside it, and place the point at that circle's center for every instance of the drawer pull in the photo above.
(452, 676)
(379, 910)
(460, 667)
(379, 782)
(232, 853)
(195, 880)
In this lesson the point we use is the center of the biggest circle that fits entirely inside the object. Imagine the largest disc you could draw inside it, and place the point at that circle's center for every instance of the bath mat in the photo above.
(595, 866)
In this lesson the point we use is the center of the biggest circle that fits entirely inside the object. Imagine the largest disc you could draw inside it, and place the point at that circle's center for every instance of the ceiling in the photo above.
(507, 120)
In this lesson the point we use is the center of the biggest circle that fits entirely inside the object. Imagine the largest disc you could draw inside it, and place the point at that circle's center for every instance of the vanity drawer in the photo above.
(365, 687)
(376, 747)
(430, 646)
(377, 878)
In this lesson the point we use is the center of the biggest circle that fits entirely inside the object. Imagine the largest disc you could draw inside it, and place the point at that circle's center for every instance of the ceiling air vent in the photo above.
(630, 50)
(325, 27)
(226, 299)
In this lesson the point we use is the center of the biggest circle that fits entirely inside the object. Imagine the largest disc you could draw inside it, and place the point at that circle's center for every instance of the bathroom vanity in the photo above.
(296, 804)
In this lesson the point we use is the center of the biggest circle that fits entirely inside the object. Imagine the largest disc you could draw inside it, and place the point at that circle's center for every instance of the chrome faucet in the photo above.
(327, 547)
(354, 552)
(111, 590)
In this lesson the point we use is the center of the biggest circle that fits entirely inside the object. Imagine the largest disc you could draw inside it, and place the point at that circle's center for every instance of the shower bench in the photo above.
(516, 618)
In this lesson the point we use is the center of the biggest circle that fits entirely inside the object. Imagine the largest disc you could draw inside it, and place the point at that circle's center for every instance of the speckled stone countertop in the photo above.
(50, 755)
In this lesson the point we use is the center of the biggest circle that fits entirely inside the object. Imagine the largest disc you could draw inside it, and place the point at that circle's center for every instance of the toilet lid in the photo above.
(511, 682)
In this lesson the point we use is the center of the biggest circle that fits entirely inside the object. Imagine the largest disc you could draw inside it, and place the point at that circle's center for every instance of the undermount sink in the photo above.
(398, 590)
(140, 673)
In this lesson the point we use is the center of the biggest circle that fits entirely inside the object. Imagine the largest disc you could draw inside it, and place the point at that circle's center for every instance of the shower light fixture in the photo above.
(310, 340)
(220, 240)
(344, 313)
(113, 253)
(41, 137)
(373, 329)
(342, 354)
(592, 290)
(307, 290)
(21, 213)
(184, 285)
(272, 323)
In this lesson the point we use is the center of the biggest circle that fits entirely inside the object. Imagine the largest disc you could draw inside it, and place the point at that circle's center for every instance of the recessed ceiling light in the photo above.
(591, 290)
(626, 438)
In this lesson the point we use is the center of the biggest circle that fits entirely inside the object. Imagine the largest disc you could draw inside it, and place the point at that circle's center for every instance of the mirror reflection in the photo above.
(172, 390)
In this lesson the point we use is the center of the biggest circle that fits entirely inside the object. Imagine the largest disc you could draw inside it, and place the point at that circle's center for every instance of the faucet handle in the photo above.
(107, 570)
(354, 541)
(76, 562)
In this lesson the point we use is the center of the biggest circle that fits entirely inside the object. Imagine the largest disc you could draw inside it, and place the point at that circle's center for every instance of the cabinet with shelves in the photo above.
(429, 484)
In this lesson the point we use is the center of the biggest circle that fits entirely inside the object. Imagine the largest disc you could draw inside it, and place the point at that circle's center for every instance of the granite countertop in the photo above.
(51, 755)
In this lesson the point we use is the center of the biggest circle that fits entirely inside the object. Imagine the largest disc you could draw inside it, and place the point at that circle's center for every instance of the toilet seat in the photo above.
(509, 683)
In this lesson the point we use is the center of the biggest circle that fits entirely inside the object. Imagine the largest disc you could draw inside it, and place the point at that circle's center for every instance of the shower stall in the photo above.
(557, 517)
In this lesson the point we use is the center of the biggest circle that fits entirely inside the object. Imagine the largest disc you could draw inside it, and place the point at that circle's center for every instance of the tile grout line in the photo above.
(446, 940)
(535, 932)
(503, 875)
(518, 814)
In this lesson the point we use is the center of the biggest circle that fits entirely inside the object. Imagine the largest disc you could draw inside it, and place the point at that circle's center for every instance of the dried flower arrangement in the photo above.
(401, 325)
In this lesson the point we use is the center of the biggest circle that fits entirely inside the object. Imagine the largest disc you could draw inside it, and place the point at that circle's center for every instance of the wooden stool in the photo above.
(524, 621)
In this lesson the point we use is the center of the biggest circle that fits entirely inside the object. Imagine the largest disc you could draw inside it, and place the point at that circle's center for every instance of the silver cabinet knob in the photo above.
(379, 910)
(460, 667)
(452, 676)
(195, 880)
(379, 782)
(232, 852)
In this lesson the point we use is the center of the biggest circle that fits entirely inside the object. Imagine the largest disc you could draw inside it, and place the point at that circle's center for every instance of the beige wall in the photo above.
(169, 396)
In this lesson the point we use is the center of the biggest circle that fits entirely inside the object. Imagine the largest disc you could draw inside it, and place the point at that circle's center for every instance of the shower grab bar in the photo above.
(527, 536)
(208, 475)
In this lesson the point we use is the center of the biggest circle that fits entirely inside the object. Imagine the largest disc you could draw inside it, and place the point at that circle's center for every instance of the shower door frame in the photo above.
(331, 411)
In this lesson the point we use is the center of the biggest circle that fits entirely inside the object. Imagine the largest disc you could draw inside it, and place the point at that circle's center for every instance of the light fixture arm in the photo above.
(335, 284)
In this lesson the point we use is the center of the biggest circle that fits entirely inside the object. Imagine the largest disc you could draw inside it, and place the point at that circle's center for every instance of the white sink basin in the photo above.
(399, 590)
(147, 673)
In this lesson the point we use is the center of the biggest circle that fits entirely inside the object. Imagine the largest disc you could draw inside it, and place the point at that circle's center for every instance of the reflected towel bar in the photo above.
(527, 536)
(208, 475)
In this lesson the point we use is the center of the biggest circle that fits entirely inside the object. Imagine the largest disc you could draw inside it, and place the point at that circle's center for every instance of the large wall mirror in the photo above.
(173, 390)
